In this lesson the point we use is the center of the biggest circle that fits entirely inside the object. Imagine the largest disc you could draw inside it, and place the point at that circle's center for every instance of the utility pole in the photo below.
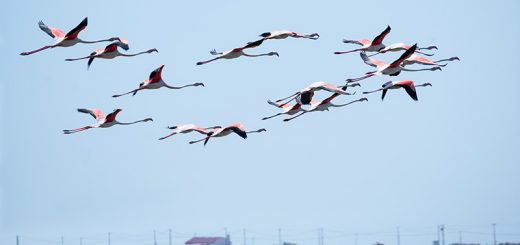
(494, 234)
(322, 237)
(398, 237)
(170, 236)
(319, 236)
(245, 237)
(154, 238)
(109, 238)
(62, 240)
(17, 240)
(279, 236)
(442, 233)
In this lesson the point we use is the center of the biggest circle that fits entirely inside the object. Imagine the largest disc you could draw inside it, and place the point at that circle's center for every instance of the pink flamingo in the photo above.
(188, 128)
(110, 52)
(392, 69)
(221, 132)
(102, 120)
(287, 109)
(416, 59)
(307, 93)
(65, 40)
(324, 105)
(367, 45)
(237, 52)
(408, 86)
(286, 34)
(155, 81)
(401, 46)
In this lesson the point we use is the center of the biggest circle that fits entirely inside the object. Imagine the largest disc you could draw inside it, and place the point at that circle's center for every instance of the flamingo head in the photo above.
(152, 50)
(198, 84)
(363, 99)
(273, 53)
(147, 119)
(454, 58)
(172, 127)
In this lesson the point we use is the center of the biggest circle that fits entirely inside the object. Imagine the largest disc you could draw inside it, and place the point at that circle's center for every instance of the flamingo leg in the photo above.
(295, 94)
(207, 61)
(197, 141)
(278, 114)
(289, 119)
(82, 58)
(37, 50)
(133, 91)
(71, 131)
(346, 52)
(174, 133)
(351, 80)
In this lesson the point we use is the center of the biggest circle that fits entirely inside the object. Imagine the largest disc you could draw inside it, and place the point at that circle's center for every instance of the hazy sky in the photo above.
(450, 158)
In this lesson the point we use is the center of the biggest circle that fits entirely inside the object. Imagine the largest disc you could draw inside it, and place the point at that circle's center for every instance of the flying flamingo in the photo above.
(155, 81)
(110, 52)
(221, 132)
(408, 86)
(392, 69)
(307, 93)
(416, 59)
(367, 45)
(286, 34)
(237, 52)
(324, 105)
(65, 40)
(401, 46)
(188, 128)
(287, 109)
(102, 120)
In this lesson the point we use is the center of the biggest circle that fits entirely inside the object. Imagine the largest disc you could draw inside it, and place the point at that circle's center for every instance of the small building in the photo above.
(209, 241)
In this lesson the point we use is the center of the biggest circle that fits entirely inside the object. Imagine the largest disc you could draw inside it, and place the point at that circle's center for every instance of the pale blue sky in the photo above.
(450, 158)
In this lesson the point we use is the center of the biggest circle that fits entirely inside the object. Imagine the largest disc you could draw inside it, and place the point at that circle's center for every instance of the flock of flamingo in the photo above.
(304, 102)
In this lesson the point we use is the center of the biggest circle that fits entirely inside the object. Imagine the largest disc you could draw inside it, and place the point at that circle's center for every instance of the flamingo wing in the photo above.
(112, 116)
(371, 61)
(329, 99)
(404, 56)
(53, 32)
(410, 90)
(96, 113)
(253, 44)
(421, 60)
(379, 39)
(73, 34)
(155, 73)
(238, 130)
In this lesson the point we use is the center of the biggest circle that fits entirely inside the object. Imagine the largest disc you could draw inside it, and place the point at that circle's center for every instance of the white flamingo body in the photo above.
(155, 81)
(305, 95)
(63, 39)
(188, 128)
(392, 69)
(367, 45)
(407, 85)
(324, 105)
(237, 52)
(111, 51)
(221, 132)
(283, 34)
(102, 121)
